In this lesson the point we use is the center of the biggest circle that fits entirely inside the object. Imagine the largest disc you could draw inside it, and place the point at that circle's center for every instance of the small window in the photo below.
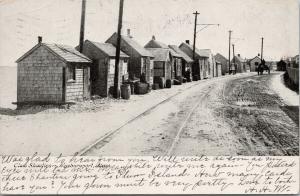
(71, 73)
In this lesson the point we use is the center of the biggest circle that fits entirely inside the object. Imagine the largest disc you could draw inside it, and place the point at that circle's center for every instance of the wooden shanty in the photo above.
(162, 64)
(200, 68)
(140, 63)
(187, 62)
(253, 63)
(103, 67)
(281, 65)
(52, 74)
(240, 64)
(176, 58)
(224, 63)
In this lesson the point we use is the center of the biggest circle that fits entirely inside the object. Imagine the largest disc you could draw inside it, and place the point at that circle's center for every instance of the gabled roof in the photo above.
(200, 53)
(136, 46)
(107, 48)
(256, 57)
(179, 51)
(219, 57)
(155, 44)
(160, 54)
(64, 52)
(174, 53)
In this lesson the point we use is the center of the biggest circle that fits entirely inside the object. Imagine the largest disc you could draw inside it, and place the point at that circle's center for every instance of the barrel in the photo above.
(155, 86)
(168, 83)
(160, 81)
(125, 91)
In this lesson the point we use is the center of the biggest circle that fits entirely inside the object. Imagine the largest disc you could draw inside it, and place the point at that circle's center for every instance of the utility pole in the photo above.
(262, 48)
(81, 37)
(195, 32)
(230, 31)
(116, 79)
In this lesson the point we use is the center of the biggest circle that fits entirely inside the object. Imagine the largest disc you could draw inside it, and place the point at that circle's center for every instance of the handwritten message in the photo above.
(143, 175)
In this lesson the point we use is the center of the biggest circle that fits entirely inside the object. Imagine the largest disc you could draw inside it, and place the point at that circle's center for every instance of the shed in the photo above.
(201, 61)
(281, 65)
(140, 60)
(240, 63)
(103, 68)
(52, 73)
(253, 63)
(224, 63)
(162, 63)
(187, 62)
(176, 59)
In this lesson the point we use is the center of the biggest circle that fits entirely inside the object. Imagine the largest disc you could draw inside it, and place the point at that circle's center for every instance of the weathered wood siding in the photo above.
(159, 69)
(111, 75)
(74, 89)
(40, 77)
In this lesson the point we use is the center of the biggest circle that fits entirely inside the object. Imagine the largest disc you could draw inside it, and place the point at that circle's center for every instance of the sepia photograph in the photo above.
(149, 77)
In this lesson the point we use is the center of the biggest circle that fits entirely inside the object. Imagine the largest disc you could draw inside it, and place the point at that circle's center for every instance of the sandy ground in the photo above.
(68, 130)
(231, 115)
(240, 115)
(157, 131)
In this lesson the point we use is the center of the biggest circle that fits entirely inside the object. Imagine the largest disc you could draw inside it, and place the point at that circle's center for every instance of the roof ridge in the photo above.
(64, 49)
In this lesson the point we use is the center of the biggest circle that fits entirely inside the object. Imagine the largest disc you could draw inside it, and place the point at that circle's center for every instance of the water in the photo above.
(8, 86)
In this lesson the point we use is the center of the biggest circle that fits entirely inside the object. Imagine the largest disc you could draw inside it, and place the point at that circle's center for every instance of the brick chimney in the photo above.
(187, 41)
(40, 39)
(153, 37)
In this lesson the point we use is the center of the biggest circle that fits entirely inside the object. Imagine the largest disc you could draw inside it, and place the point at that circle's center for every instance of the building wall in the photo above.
(40, 77)
(101, 77)
(110, 64)
(135, 59)
(253, 67)
(74, 88)
(159, 69)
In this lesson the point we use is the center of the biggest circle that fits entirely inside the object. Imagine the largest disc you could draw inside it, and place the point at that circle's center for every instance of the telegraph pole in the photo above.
(262, 48)
(81, 37)
(195, 32)
(230, 31)
(116, 79)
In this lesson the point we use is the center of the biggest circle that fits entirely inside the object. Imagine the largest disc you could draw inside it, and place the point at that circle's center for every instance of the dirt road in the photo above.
(237, 115)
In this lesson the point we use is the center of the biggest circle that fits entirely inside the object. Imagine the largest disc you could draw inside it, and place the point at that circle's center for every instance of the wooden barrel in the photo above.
(125, 91)
(168, 83)
(155, 86)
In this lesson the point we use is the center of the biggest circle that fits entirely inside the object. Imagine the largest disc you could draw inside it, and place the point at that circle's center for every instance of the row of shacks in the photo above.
(53, 73)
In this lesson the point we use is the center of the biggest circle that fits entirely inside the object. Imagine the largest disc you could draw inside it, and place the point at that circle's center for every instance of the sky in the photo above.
(171, 21)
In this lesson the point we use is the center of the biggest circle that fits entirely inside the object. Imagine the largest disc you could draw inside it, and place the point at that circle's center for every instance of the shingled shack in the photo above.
(103, 68)
(52, 73)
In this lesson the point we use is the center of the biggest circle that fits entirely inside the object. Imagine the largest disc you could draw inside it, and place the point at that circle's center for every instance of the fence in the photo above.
(293, 74)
